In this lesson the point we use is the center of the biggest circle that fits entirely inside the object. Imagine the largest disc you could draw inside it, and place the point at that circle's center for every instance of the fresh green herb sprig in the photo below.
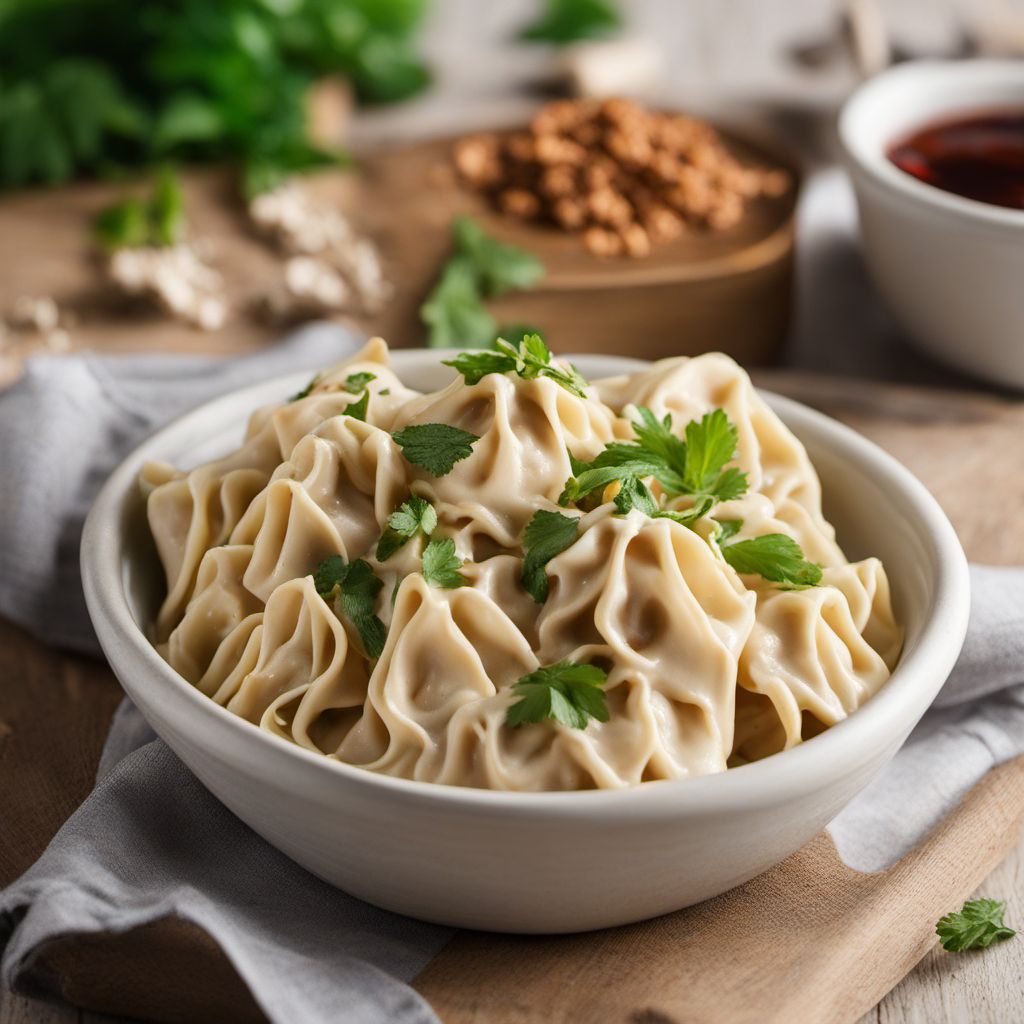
(351, 589)
(547, 534)
(109, 84)
(156, 220)
(567, 21)
(696, 466)
(413, 516)
(359, 408)
(441, 565)
(532, 359)
(568, 693)
(480, 268)
(773, 556)
(435, 447)
(356, 382)
(634, 494)
(977, 926)
(307, 390)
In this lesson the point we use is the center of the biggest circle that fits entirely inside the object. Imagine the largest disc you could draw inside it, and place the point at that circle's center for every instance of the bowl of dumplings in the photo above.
(505, 642)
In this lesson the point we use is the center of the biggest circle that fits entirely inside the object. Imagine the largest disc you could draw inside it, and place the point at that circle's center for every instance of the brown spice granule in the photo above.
(625, 177)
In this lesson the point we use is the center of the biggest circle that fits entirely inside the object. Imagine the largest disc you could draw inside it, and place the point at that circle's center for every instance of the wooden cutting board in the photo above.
(729, 288)
(811, 940)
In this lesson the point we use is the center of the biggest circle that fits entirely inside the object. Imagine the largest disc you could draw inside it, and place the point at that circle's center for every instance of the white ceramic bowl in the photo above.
(950, 268)
(540, 862)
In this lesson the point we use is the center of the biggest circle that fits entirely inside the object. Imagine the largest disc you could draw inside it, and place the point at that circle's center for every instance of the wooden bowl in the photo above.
(724, 290)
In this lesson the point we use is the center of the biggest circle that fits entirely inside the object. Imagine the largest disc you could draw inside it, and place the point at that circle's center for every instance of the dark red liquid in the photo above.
(980, 157)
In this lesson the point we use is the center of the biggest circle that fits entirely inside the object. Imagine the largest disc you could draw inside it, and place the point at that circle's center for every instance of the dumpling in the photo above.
(445, 649)
(332, 497)
(817, 655)
(526, 429)
(194, 512)
(302, 649)
(652, 600)
(700, 667)
(219, 603)
(775, 462)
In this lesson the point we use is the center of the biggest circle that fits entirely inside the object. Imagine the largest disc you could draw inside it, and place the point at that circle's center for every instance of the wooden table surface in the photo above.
(714, 49)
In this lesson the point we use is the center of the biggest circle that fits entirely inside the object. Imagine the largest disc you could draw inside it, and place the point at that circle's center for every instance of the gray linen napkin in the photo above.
(308, 951)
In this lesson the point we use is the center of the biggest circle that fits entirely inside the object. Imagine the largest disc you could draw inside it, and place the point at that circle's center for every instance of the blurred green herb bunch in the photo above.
(90, 86)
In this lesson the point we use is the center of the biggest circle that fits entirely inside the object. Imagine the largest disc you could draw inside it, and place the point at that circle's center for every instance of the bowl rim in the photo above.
(884, 719)
(869, 158)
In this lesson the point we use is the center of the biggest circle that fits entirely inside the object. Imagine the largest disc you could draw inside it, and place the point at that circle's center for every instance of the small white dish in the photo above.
(536, 862)
(950, 268)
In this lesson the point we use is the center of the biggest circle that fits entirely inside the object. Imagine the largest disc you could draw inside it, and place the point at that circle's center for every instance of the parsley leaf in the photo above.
(136, 222)
(480, 268)
(474, 366)
(566, 21)
(356, 382)
(441, 565)
(710, 444)
(499, 267)
(357, 410)
(977, 926)
(691, 467)
(435, 447)
(414, 516)
(454, 311)
(568, 693)
(530, 360)
(547, 534)
(633, 493)
(774, 556)
(727, 529)
(352, 587)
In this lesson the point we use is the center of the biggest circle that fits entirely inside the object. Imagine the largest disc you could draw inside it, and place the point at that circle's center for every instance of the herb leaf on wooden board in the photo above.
(481, 267)
(977, 925)
(567, 21)
(157, 220)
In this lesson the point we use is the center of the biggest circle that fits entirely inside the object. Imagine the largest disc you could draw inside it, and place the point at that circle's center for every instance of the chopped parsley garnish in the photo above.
(568, 693)
(694, 467)
(351, 589)
(530, 360)
(356, 382)
(774, 556)
(441, 565)
(634, 494)
(435, 447)
(547, 534)
(307, 390)
(414, 516)
(357, 410)
(135, 222)
(977, 926)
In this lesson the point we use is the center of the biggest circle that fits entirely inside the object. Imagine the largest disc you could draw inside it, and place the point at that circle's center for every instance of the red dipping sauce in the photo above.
(980, 156)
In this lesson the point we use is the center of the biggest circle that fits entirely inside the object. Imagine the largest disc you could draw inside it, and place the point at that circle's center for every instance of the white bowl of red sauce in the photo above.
(936, 153)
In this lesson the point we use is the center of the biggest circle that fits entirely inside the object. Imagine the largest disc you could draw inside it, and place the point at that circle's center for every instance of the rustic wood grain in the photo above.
(719, 50)
(726, 289)
(809, 940)
(660, 971)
